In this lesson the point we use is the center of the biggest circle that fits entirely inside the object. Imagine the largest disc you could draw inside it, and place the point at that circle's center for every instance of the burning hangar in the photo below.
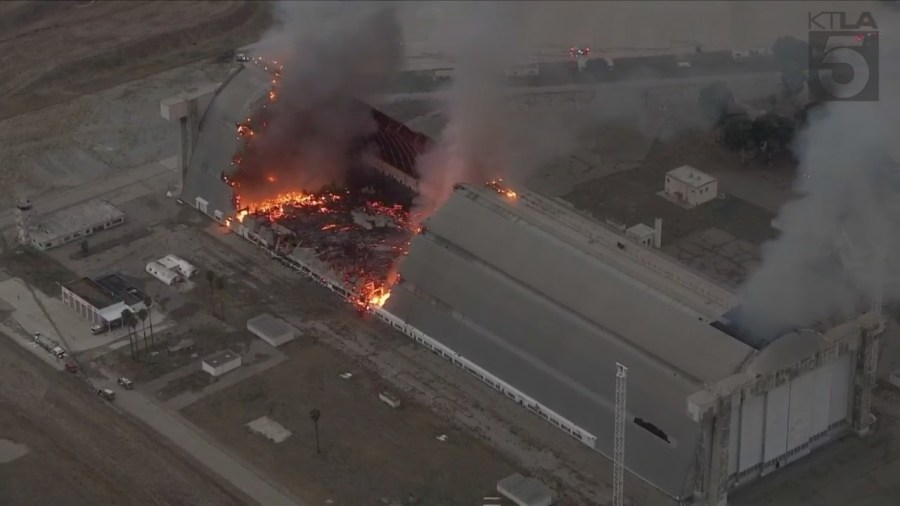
(540, 303)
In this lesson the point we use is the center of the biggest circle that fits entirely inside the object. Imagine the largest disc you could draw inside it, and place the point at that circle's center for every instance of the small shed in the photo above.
(641, 233)
(221, 363)
(271, 330)
(525, 491)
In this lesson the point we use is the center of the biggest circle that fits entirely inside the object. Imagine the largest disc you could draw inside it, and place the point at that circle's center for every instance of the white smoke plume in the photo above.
(334, 54)
(487, 136)
(839, 240)
(473, 148)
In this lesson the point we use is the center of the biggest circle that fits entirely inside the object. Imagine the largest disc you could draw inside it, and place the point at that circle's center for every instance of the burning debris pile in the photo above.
(356, 231)
(348, 232)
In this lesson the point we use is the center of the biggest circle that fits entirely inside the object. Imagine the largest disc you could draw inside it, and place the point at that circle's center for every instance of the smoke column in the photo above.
(839, 237)
(334, 53)
(473, 146)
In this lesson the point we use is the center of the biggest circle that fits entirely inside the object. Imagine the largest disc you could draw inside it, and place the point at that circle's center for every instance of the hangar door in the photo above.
(784, 419)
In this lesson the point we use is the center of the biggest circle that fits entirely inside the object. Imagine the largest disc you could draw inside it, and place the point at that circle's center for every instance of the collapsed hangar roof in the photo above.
(494, 283)
(238, 98)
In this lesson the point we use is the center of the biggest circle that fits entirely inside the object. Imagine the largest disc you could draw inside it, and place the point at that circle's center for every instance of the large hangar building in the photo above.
(540, 302)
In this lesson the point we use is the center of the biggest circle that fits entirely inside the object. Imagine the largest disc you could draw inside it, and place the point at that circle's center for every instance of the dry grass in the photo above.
(54, 51)
(369, 450)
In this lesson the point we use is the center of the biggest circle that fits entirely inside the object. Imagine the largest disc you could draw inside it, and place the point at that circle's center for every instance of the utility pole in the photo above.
(619, 441)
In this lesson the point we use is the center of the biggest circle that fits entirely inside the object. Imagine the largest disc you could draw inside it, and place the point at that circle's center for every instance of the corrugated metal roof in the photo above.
(515, 246)
(218, 140)
(552, 321)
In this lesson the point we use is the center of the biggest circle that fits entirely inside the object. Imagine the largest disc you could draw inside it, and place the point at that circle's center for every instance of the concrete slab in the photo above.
(269, 429)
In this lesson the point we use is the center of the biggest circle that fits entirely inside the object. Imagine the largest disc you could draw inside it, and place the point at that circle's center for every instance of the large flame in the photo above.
(328, 213)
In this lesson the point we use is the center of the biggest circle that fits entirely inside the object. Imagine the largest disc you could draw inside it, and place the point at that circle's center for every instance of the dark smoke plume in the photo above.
(334, 54)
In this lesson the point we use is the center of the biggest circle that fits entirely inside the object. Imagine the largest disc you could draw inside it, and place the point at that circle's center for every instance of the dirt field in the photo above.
(81, 451)
(369, 450)
(54, 51)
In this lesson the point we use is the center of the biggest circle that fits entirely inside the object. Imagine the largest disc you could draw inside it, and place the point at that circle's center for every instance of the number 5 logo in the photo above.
(844, 66)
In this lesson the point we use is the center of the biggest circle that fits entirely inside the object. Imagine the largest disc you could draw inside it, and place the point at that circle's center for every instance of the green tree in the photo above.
(790, 54)
(142, 316)
(792, 82)
(314, 415)
(715, 100)
(772, 135)
(736, 133)
(129, 322)
(149, 303)
(792, 59)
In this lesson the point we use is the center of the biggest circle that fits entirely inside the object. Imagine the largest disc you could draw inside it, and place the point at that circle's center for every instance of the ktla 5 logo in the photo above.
(843, 57)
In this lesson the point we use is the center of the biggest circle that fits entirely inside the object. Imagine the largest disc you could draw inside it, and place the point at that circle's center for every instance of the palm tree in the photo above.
(149, 303)
(211, 278)
(132, 324)
(126, 322)
(142, 315)
(314, 415)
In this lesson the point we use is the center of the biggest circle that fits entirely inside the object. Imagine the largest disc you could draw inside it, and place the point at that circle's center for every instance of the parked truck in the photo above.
(49, 345)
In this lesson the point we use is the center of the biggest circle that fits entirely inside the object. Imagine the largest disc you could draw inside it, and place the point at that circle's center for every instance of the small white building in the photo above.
(641, 233)
(221, 363)
(178, 265)
(646, 235)
(159, 271)
(690, 187)
(271, 330)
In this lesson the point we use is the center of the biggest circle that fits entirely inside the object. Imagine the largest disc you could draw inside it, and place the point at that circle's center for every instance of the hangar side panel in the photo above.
(543, 350)
(777, 414)
(667, 467)
(734, 435)
(752, 424)
(821, 403)
(526, 319)
(803, 390)
(840, 390)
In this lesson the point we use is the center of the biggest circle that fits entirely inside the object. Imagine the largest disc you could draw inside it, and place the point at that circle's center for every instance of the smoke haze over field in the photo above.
(334, 53)
(840, 239)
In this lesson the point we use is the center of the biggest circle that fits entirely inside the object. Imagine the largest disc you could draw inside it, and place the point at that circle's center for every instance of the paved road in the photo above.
(620, 85)
(191, 439)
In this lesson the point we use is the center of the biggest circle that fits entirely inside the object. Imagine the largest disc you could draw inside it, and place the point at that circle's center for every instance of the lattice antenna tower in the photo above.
(619, 438)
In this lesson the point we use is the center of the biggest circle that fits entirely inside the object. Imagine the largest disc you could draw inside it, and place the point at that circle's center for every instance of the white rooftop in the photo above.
(640, 231)
(77, 218)
(691, 176)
